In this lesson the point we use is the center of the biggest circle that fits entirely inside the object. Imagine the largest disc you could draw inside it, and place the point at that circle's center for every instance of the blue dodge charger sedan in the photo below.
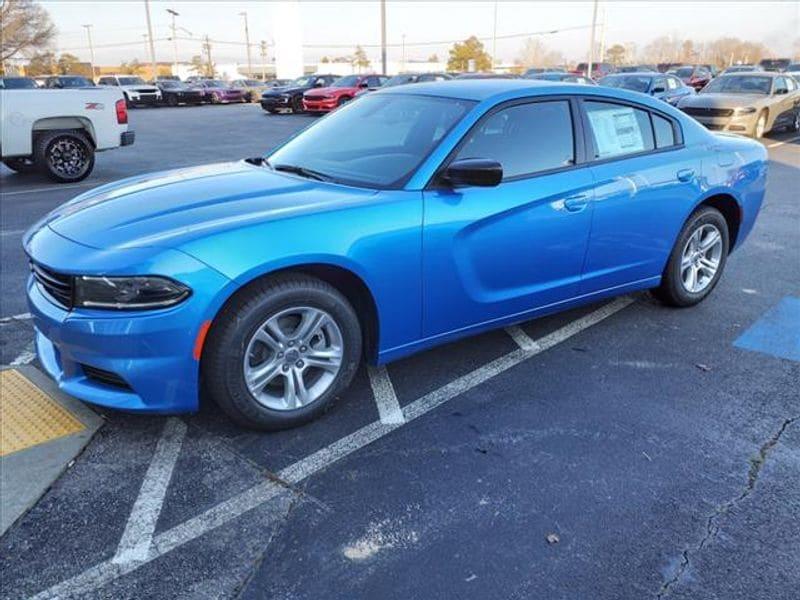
(415, 216)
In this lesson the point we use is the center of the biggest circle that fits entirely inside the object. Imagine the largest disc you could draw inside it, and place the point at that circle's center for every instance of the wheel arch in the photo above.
(66, 124)
(345, 280)
(731, 209)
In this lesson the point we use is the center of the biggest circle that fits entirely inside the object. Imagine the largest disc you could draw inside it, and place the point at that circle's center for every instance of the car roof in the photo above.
(637, 74)
(772, 74)
(501, 90)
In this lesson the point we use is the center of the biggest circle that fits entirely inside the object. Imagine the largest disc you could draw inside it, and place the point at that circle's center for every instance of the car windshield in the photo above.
(399, 80)
(303, 81)
(739, 84)
(173, 85)
(377, 142)
(793, 67)
(214, 83)
(131, 81)
(75, 82)
(17, 83)
(346, 81)
(637, 83)
(684, 71)
(252, 82)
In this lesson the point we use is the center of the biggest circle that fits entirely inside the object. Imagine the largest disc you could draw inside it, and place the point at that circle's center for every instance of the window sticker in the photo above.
(616, 131)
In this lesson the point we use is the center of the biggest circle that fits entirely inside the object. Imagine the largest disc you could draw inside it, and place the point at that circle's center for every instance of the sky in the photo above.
(776, 24)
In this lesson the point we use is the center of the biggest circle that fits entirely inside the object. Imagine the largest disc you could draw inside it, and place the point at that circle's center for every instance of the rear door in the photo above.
(495, 252)
(646, 181)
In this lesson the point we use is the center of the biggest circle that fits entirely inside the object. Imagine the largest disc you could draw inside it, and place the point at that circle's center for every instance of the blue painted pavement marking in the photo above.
(777, 332)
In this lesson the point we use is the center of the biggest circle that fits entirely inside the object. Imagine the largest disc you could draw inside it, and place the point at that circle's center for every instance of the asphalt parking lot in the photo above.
(623, 450)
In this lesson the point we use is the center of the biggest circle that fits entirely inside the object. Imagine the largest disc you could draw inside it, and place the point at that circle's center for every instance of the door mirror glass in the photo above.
(363, 84)
(482, 172)
(782, 91)
(658, 90)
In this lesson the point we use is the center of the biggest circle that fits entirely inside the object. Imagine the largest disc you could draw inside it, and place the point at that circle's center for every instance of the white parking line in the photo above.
(9, 232)
(19, 317)
(522, 339)
(781, 143)
(107, 571)
(385, 396)
(138, 535)
(54, 188)
(25, 357)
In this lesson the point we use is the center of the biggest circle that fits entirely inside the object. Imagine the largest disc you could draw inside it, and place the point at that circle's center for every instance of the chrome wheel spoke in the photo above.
(327, 361)
(711, 240)
(269, 339)
(312, 320)
(259, 376)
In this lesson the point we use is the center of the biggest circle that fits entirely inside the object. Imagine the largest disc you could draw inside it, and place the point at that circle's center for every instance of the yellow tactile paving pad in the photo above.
(28, 416)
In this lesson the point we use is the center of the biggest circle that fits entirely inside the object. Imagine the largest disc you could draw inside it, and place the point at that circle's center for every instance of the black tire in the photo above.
(20, 164)
(297, 105)
(343, 100)
(222, 370)
(672, 290)
(50, 157)
(795, 124)
(172, 100)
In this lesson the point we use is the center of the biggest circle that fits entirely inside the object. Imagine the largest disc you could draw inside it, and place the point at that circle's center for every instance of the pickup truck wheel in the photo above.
(281, 351)
(20, 164)
(64, 156)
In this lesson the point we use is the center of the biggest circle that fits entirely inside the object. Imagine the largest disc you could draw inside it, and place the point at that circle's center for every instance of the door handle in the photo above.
(576, 203)
(685, 174)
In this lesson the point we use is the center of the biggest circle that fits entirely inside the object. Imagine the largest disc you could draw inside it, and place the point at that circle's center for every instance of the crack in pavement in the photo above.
(712, 527)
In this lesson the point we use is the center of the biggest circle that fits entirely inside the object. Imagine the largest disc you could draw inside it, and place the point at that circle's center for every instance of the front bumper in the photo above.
(149, 99)
(326, 105)
(742, 124)
(151, 352)
(275, 102)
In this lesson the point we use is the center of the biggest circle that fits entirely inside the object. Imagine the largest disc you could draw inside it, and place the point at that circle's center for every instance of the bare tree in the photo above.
(25, 28)
(535, 53)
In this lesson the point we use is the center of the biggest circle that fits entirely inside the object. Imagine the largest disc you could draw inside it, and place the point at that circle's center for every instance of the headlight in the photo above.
(747, 110)
(286, 96)
(128, 293)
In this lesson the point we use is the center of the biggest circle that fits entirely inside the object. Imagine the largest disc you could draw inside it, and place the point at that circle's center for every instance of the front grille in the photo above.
(57, 286)
(315, 98)
(105, 377)
(708, 112)
(146, 91)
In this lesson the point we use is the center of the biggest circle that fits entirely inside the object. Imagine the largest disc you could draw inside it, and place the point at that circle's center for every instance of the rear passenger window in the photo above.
(524, 139)
(665, 134)
(618, 130)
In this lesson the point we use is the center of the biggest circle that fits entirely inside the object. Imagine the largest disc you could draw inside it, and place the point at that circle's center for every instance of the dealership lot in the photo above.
(657, 449)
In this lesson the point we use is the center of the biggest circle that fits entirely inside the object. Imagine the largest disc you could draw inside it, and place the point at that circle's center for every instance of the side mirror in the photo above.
(658, 90)
(319, 84)
(482, 172)
(363, 84)
(781, 91)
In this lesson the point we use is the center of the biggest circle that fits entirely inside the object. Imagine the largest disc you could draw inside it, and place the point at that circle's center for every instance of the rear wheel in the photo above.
(21, 165)
(64, 156)
(279, 354)
(697, 260)
(795, 125)
(172, 100)
(342, 101)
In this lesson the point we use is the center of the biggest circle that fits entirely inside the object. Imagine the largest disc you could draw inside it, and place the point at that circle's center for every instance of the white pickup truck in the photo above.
(59, 131)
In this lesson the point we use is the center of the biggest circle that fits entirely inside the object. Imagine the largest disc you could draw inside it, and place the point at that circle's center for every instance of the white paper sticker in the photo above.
(616, 131)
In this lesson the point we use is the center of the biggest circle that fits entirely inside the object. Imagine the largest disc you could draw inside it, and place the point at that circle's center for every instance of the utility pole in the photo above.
(591, 41)
(247, 41)
(494, 37)
(91, 48)
(403, 55)
(150, 33)
(174, 41)
(207, 48)
(383, 37)
(263, 60)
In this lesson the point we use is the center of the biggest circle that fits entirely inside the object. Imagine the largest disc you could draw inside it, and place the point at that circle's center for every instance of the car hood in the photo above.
(277, 91)
(143, 86)
(711, 100)
(169, 208)
(330, 90)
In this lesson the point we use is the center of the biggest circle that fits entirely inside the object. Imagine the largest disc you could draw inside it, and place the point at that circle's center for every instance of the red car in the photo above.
(696, 77)
(341, 91)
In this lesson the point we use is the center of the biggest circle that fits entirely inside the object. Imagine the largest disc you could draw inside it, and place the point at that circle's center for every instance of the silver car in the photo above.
(747, 103)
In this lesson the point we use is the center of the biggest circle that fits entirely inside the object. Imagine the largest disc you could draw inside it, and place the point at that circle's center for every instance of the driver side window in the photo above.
(525, 139)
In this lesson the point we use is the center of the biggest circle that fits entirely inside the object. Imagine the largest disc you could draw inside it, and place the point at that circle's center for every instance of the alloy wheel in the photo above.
(67, 157)
(292, 358)
(701, 258)
(761, 125)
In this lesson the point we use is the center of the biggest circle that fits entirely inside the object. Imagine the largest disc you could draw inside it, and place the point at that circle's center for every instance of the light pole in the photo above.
(247, 41)
(150, 33)
(494, 37)
(403, 55)
(174, 14)
(591, 41)
(91, 48)
(383, 37)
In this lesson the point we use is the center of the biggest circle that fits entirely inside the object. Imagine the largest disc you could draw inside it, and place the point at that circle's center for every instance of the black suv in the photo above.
(291, 96)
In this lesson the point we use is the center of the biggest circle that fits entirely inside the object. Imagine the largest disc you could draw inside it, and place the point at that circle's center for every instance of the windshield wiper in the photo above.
(303, 172)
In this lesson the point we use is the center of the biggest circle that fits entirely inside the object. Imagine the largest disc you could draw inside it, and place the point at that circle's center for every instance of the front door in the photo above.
(492, 253)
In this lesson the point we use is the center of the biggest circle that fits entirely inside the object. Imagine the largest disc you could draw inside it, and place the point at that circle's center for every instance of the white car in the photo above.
(59, 131)
(136, 91)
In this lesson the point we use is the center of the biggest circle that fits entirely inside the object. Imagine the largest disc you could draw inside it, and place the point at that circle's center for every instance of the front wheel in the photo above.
(65, 157)
(21, 165)
(795, 125)
(697, 260)
(297, 105)
(761, 126)
(281, 351)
